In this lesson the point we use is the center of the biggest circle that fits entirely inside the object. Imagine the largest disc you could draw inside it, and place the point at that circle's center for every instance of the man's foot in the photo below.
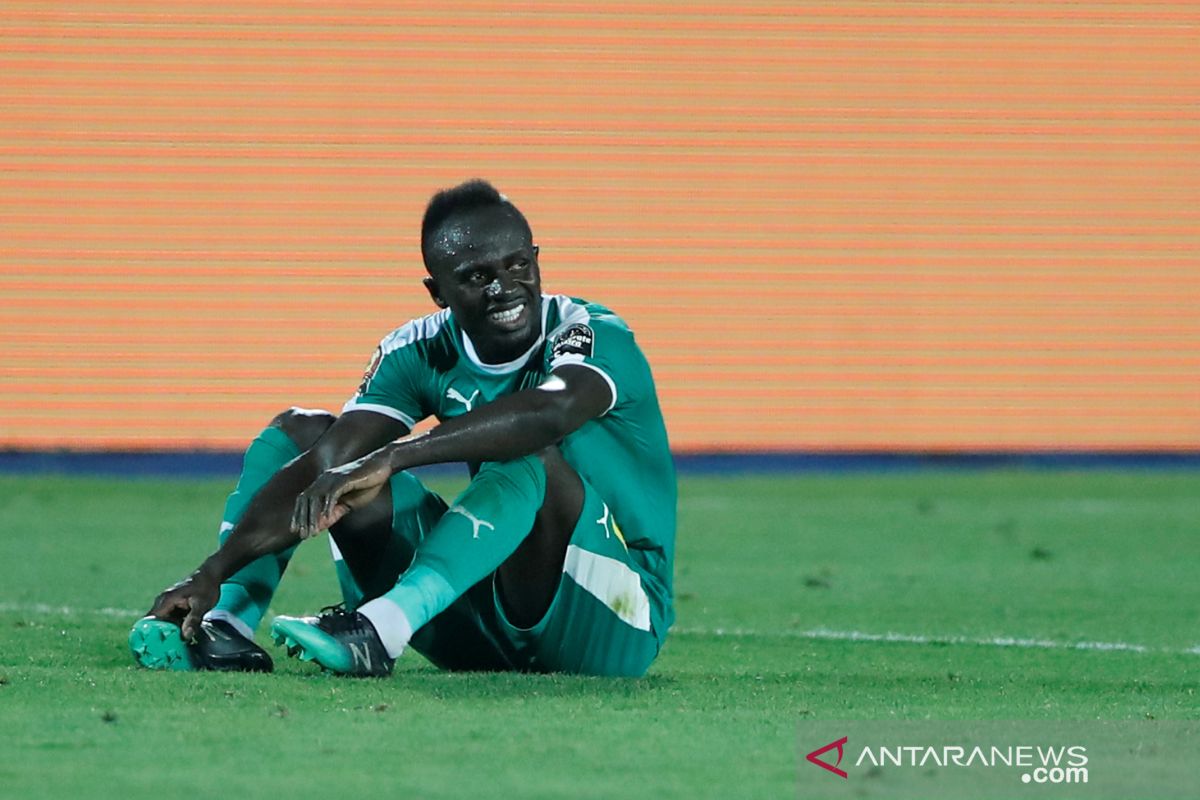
(157, 644)
(340, 641)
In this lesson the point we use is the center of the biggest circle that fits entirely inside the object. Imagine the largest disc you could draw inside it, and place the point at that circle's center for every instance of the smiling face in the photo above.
(483, 266)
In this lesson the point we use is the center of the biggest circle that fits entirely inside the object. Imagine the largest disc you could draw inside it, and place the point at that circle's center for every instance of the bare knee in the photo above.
(304, 426)
(552, 459)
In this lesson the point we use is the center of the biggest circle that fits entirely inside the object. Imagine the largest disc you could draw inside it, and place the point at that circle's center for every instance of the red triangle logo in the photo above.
(814, 757)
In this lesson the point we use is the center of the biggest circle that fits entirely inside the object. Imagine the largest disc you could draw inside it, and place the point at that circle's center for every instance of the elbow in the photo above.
(560, 417)
(326, 455)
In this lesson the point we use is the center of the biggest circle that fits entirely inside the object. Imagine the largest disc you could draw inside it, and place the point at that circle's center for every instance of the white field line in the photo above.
(814, 634)
(69, 611)
(827, 635)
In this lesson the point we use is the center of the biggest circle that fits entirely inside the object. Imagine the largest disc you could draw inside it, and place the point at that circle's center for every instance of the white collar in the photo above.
(516, 363)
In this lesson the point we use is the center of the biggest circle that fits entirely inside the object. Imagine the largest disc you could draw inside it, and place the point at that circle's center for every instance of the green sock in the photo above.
(472, 539)
(247, 593)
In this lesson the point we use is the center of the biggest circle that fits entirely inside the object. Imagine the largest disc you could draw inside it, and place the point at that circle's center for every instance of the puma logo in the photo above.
(603, 523)
(609, 523)
(454, 394)
(476, 522)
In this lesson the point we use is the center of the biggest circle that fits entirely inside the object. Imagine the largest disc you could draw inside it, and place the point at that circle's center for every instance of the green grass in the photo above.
(762, 562)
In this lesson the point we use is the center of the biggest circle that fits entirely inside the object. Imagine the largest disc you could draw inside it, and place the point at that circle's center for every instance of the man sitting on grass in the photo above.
(557, 556)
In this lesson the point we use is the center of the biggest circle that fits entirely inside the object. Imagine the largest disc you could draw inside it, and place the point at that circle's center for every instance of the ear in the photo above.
(432, 288)
(536, 250)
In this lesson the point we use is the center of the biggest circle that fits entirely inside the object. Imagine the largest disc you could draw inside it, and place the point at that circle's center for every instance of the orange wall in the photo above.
(839, 225)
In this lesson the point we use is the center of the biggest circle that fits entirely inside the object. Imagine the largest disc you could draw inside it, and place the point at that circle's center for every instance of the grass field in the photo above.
(1007, 595)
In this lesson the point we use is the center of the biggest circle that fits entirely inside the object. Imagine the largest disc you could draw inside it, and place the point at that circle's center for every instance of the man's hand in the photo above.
(339, 491)
(187, 602)
(510, 426)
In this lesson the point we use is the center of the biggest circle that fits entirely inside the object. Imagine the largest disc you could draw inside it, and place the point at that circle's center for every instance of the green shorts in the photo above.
(606, 617)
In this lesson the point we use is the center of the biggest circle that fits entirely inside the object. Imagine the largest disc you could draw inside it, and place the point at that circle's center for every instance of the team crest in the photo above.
(576, 340)
(372, 368)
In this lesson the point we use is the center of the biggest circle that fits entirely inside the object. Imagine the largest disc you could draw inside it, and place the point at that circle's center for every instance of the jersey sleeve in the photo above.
(391, 384)
(604, 344)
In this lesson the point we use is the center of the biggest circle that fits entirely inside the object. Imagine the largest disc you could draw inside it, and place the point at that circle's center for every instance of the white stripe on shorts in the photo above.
(611, 582)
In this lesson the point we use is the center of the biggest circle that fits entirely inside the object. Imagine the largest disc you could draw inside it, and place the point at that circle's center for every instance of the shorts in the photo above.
(606, 617)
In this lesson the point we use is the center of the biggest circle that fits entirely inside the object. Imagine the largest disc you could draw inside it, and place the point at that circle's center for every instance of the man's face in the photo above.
(483, 266)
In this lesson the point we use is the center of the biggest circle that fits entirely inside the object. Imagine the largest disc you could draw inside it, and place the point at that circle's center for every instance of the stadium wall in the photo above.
(835, 226)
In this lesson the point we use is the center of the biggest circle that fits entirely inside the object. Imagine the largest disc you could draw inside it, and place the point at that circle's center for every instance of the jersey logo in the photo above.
(468, 402)
(576, 340)
(476, 522)
(372, 368)
(606, 521)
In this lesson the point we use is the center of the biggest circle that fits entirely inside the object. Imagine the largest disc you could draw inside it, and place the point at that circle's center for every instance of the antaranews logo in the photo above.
(998, 759)
(1048, 764)
(814, 757)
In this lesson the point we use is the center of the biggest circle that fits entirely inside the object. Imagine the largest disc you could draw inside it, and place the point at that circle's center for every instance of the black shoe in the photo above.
(222, 647)
(157, 644)
(341, 641)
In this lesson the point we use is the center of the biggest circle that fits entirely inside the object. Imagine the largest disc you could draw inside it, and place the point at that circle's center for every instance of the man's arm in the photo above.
(511, 426)
(265, 528)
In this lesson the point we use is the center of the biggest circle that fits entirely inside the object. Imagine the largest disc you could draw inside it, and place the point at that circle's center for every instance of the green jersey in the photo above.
(429, 367)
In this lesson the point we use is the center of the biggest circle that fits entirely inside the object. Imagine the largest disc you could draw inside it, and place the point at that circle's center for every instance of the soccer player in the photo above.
(558, 554)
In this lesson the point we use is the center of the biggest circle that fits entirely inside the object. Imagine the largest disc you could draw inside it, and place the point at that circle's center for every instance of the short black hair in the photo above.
(467, 196)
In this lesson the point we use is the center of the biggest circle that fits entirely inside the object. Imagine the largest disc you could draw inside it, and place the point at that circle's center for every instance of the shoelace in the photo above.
(336, 618)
